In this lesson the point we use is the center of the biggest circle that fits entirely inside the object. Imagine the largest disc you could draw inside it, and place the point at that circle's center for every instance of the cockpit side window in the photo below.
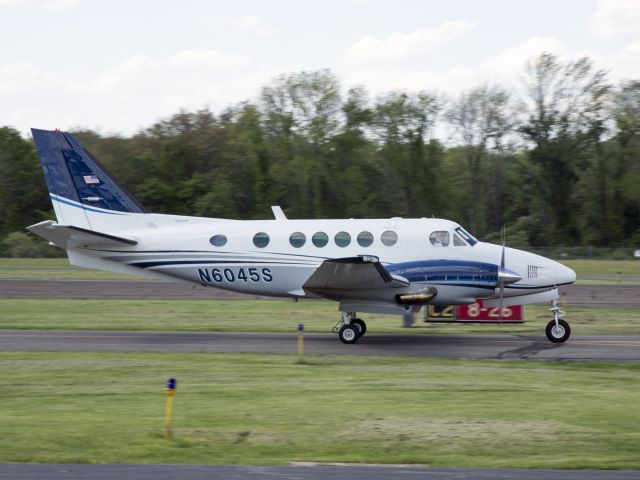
(470, 239)
(457, 241)
(439, 238)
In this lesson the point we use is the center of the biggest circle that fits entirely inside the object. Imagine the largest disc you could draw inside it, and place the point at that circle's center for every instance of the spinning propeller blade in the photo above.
(504, 241)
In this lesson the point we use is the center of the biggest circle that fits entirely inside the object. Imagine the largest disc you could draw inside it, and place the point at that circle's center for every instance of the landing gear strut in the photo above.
(351, 328)
(558, 331)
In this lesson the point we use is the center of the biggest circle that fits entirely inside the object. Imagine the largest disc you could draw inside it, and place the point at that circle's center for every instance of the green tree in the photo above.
(626, 170)
(481, 118)
(561, 128)
(301, 115)
(403, 125)
(23, 194)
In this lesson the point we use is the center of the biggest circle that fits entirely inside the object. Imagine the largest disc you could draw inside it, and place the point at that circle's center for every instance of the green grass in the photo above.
(267, 409)
(604, 267)
(53, 269)
(269, 316)
(59, 269)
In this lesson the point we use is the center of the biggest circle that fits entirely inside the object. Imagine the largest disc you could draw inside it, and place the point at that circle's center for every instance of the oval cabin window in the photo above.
(342, 239)
(365, 239)
(218, 240)
(320, 239)
(297, 239)
(389, 238)
(261, 239)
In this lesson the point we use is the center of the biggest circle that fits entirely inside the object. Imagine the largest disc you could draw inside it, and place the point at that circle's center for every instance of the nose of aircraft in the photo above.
(564, 274)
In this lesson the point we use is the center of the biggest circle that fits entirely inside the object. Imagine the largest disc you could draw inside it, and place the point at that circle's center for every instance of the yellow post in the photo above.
(170, 390)
(300, 342)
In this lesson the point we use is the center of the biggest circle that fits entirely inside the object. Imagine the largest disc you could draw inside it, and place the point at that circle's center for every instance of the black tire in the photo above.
(559, 334)
(348, 334)
(360, 325)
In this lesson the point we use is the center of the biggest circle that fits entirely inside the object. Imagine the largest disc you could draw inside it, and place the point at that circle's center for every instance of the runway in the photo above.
(132, 289)
(627, 296)
(580, 347)
(295, 472)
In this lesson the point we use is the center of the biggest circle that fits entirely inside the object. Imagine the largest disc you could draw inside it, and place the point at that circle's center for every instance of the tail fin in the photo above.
(79, 186)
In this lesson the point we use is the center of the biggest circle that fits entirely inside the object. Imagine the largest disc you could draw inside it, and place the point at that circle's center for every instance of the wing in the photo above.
(68, 236)
(355, 278)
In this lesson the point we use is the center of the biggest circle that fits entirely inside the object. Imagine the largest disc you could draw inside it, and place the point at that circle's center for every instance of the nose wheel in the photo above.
(558, 331)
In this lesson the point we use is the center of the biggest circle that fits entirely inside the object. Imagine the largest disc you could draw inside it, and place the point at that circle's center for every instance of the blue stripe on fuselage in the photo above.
(446, 271)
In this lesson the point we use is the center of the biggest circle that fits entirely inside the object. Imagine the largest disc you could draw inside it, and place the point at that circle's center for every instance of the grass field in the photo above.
(53, 269)
(267, 409)
(59, 269)
(269, 316)
(611, 268)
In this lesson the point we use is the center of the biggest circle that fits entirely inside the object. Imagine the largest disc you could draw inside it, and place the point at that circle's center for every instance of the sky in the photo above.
(118, 66)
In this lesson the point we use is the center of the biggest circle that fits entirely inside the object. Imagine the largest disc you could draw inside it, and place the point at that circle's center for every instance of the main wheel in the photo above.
(559, 333)
(348, 334)
(360, 325)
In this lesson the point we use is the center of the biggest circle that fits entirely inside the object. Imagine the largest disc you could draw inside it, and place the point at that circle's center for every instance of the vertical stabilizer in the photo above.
(80, 187)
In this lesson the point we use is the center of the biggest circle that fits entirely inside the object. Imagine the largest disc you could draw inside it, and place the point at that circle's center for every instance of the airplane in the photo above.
(388, 266)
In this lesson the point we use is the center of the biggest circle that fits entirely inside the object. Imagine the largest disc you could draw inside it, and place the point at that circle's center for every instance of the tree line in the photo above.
(555, 159)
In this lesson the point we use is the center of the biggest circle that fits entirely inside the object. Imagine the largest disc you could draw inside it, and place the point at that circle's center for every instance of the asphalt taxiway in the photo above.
(611, 295)
(580, 347)
(295, 472)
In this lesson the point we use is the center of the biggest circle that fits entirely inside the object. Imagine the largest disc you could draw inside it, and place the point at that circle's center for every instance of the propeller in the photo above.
(504, 242)
(505, 276)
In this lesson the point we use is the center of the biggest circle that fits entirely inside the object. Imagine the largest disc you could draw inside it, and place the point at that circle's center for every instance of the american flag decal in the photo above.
(90, 179)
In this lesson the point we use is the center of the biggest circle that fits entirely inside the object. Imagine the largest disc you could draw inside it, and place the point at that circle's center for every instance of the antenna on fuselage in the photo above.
(278, 213)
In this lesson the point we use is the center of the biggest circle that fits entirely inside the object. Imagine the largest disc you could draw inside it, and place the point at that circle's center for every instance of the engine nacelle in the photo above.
(421, 297)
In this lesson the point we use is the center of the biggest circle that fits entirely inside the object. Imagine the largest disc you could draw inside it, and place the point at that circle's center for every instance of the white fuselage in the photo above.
(183, 248)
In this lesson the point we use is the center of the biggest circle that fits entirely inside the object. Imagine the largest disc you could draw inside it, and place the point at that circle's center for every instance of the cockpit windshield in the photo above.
(467, 236)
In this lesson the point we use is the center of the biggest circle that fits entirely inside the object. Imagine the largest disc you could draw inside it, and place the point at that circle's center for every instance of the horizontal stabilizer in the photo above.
(69, 236)
(350, 277)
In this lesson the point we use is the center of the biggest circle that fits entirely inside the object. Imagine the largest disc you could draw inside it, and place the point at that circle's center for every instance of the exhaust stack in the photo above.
(421, 297)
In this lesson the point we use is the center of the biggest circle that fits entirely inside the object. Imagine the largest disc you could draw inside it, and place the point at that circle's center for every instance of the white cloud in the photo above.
(135, 74)
(190, 71)
(505, 68)
(48, 4)
(626, 63)
(208, 60)
(511, 63)
(130, 94)
(616, 18)
(632, 50)
(252, 24)
(27, 78)
(401, 46)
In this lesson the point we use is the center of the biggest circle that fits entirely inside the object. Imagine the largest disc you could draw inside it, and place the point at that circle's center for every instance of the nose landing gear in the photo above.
(558, 331)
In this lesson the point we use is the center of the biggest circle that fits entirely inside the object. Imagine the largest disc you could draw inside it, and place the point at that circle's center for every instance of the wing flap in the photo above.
(69, 236)
(351, 278)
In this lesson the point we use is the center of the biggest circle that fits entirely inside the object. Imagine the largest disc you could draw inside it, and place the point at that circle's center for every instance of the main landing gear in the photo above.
(351, 328)
(558, 331)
